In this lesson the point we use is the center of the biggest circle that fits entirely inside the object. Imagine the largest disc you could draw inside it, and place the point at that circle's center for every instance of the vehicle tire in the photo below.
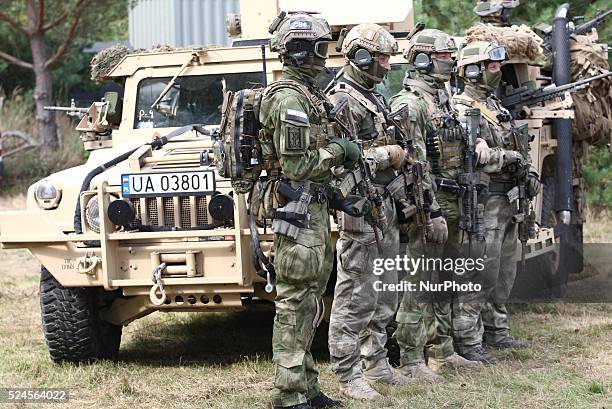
(72, 326)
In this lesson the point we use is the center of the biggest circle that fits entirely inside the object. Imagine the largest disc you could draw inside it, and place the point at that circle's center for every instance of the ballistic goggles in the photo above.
(497, 54)
(303, 47)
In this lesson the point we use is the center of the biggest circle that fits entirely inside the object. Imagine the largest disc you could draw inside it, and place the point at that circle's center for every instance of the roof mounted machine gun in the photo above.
(72, 110)
(472, 184)
(599, 18)
(361, 177)
(518, 100)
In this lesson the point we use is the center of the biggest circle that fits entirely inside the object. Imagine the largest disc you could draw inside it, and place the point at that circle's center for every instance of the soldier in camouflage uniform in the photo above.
(427, 325)
(292, 113)
(359, 313)
(475, 314)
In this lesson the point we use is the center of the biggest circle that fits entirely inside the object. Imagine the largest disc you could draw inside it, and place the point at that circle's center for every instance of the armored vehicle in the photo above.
(147, 224)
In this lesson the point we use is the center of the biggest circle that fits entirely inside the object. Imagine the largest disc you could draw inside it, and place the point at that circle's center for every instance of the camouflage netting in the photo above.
(593, 105)
(520, 41)
(104, 62)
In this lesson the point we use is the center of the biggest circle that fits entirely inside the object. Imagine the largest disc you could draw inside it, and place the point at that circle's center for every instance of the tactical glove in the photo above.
(512, 157)
(353, 205)
(439, 233)
(352, 153)
(533, 184)
(483, 152)
(397, 156)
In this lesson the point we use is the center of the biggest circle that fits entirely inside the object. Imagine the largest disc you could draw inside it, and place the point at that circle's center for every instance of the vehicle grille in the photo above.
(185, 211)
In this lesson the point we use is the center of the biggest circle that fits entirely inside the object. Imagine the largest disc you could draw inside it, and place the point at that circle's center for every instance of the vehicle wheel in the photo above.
(72, 326)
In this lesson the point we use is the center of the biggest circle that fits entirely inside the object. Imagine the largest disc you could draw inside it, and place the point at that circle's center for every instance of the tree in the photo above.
(32, 19)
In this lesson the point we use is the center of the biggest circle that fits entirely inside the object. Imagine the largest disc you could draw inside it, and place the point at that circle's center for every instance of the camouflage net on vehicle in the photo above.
(103, 63)
(520, 41)
(593, 105)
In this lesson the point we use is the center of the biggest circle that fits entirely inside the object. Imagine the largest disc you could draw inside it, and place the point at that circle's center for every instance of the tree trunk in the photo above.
(43, 92)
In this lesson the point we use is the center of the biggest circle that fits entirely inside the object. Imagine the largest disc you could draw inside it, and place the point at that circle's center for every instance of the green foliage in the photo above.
(101, 21)
(597, 172)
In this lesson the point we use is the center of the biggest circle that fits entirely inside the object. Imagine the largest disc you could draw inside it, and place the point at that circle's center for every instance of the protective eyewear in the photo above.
(318, 48)
(497, 54)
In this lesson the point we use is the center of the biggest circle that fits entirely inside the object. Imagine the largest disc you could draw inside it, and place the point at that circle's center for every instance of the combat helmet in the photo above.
(495, 11)
(362, 47)
(472, 59)
(421, 47)
(301, 38)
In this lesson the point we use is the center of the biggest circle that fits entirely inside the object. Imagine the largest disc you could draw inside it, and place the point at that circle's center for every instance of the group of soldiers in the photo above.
(431, 333)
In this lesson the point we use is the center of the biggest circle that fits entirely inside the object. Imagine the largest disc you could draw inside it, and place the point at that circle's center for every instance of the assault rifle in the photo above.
(594, 23)
(422, 201)
(525, 218)
(340, 114)
(472, 182)
(516, 99)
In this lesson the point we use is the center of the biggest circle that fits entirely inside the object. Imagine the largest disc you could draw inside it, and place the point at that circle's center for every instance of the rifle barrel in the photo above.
(595, 22)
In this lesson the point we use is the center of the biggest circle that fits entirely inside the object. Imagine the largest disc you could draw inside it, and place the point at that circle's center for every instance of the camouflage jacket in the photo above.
(369, 123)
(298, 125)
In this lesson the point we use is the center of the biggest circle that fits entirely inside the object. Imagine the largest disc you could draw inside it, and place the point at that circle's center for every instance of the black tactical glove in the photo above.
(352, 153)
(353, 205)
(533, 184)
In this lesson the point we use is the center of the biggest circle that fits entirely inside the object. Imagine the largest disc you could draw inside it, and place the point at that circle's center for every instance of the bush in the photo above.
(17, 113)
(597, 172)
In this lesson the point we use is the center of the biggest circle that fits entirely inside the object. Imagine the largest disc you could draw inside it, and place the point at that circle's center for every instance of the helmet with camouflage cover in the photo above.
(430, 51)
(368, 47)
(473, 60)
(495, 11)
(301, 39)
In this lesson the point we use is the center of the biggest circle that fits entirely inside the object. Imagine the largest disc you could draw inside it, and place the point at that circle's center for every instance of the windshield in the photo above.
(192, 99)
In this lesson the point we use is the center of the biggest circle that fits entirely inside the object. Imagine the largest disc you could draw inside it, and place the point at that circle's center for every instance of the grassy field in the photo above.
(223, 360)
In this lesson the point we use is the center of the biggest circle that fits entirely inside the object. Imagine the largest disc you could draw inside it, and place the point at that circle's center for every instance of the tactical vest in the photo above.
(377, 136)
(444, 141)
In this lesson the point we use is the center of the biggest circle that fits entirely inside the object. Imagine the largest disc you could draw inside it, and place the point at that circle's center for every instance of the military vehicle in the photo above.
(147, 224)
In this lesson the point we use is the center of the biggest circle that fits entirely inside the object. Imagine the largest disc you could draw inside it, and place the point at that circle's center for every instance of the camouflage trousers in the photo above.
(303, 267)
(360, 313)
(425, 327)
(483, 313)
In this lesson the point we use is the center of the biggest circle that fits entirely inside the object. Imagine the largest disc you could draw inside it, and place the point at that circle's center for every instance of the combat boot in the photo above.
(453, 361)
(324, 401)
(509, 342)
(477, 353)
(385, 373)
(420, 372)
(359, 389)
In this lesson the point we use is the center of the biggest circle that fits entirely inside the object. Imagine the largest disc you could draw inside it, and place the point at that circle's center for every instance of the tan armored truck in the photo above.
(147, 224)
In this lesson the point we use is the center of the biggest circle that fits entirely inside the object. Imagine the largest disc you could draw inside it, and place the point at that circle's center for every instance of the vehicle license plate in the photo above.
(192, 183)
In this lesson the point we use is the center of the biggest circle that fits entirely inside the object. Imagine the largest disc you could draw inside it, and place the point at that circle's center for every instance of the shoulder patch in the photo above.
(297, 116)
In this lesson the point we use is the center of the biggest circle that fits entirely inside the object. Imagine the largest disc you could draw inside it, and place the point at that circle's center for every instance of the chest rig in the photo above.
(373, 129)
(498, 128)
(445, 139)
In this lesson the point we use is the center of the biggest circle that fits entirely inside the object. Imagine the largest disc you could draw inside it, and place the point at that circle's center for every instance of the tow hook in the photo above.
(87, 263)
(157, 285)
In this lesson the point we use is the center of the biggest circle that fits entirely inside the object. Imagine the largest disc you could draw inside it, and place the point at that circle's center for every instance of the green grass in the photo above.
(223, 360)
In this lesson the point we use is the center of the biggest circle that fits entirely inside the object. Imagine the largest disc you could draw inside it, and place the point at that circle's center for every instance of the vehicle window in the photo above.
(192, 99)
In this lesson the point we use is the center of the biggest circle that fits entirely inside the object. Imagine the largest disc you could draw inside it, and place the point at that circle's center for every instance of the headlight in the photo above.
(47, 195)
(92, 214)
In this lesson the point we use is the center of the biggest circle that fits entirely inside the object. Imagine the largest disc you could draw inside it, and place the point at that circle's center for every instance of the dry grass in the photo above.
(222, 360)
(598, 228)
